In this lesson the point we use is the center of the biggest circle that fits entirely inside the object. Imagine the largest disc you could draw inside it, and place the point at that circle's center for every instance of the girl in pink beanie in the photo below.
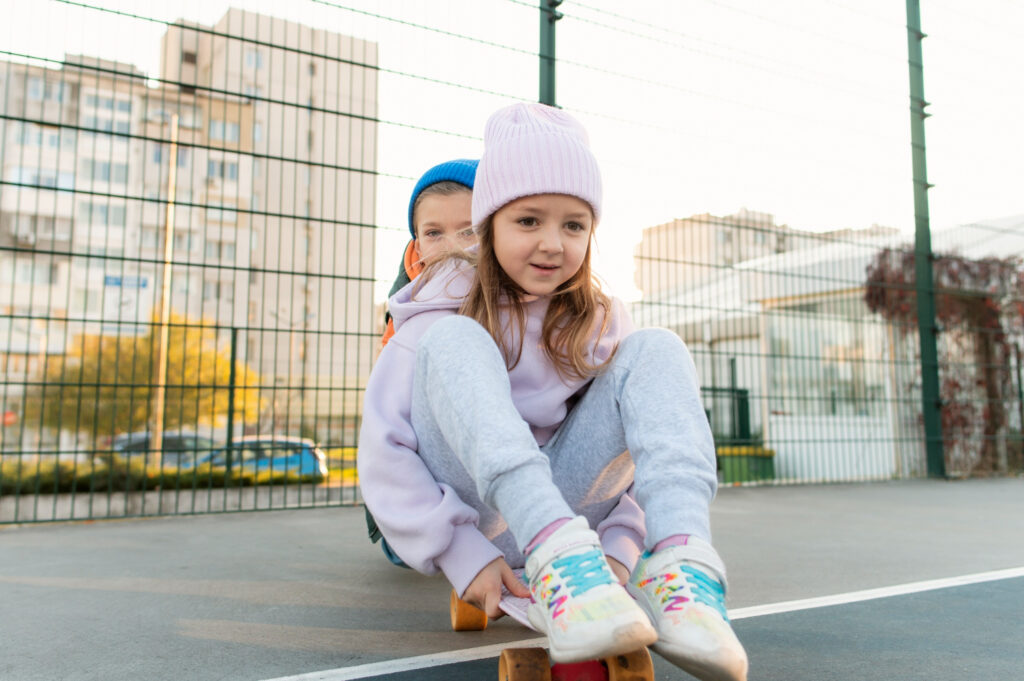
(516, 419)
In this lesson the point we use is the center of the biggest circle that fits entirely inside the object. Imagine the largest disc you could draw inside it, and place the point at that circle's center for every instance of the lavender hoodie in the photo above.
(425, 522)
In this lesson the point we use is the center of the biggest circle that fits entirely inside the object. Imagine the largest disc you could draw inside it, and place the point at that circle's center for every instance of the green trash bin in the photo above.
(748, 463)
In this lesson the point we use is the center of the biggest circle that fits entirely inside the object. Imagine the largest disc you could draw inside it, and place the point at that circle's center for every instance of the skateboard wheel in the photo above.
(524, 664)
(466, 617)
(634, 666)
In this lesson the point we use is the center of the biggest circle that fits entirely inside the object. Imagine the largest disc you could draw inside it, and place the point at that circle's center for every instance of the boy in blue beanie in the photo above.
(439, 220)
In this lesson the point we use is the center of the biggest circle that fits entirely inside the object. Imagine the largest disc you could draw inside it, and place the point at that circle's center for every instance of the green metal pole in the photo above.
(232, 378)
(926, 325)
(548, 16)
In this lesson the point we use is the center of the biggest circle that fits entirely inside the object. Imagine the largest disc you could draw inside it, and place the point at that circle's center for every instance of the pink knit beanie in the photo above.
(534, 149)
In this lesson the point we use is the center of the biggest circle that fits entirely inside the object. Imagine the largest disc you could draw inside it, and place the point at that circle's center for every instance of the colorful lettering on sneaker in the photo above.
(545, 593)
(669, 600)
(704, 590)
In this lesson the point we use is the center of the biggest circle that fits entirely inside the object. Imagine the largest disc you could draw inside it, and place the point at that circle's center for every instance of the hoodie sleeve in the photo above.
(425, 522)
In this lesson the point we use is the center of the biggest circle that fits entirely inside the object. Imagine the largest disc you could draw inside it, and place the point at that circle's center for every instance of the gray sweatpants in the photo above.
(647, 401)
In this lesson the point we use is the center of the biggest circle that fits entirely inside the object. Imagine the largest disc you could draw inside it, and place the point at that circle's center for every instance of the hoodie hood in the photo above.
(442, 293)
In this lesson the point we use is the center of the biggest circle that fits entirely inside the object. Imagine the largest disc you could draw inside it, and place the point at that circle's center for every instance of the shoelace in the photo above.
(705, 590)
(700, 587)
(583, 571)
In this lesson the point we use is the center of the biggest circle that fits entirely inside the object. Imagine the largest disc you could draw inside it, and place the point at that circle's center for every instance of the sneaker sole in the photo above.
(705, 671)
(624, 639)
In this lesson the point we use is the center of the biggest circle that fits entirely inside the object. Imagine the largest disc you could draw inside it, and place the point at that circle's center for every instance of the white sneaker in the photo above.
(681, 590)
(577, 601)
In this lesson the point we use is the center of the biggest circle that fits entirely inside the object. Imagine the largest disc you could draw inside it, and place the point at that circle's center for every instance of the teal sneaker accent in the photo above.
(583, 571)
(683, 594)
(706, 590)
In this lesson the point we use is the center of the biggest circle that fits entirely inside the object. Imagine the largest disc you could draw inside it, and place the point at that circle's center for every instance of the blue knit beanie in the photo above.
(460, 170)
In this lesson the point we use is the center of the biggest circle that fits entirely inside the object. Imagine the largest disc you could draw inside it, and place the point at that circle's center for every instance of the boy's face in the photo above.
(443, 223)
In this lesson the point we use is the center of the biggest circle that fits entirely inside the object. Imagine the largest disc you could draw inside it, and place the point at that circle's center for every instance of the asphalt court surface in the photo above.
(968, 632)
(303, 594)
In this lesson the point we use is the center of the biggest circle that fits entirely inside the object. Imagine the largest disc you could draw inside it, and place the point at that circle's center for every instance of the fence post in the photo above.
(231, 389)
(926, 323)
(548, 16)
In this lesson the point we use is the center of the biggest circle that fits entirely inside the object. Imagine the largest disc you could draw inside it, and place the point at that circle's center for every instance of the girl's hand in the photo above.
(618, 569)
(485, 590)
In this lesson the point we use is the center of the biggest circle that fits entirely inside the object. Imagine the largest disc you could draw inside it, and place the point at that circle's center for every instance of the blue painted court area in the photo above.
(973, 632)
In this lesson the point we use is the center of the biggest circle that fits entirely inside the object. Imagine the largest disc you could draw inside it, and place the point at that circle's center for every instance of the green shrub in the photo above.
(36, 476)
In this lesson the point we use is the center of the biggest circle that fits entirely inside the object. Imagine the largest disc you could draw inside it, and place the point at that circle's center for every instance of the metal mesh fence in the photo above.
(202, 208)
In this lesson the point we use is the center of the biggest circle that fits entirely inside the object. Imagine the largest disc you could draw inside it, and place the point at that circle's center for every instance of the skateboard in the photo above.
(532, 664)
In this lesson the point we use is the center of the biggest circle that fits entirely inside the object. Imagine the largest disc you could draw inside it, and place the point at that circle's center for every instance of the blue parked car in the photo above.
(280, 453)
(181, 448)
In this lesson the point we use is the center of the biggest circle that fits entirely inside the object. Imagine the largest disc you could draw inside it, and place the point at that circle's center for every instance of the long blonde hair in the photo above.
(569, 325)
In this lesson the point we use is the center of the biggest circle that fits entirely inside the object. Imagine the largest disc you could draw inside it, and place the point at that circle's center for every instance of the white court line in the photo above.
(871, 594)
(483, 652)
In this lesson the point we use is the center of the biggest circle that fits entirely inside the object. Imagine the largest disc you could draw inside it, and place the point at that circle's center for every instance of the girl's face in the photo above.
(541, 241)
(443, 224)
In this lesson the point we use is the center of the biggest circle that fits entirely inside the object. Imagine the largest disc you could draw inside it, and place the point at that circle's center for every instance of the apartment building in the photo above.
(273, 205)
(689, 251)
(312, 197)
(85, 159)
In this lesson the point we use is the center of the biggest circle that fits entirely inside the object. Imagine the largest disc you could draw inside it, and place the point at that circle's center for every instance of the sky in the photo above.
(798, 108)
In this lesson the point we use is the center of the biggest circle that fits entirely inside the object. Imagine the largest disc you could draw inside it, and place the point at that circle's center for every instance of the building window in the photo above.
(39, 89)
(188, 57)
(218, 290)
(28, 270)
(97, 124)
(222, 170)
(92, 213)
(184, 241)
(253, 58)
(220, 250)
(105, 171)
(224, 130)
(257, 132)
(35, 88)
(29, 228)
(97, 102)
(28, 134)
(160, 153)
(42, 177)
